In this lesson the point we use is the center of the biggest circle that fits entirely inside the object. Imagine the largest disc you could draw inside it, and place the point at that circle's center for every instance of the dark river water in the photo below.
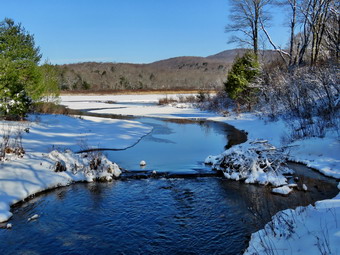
(206, 215)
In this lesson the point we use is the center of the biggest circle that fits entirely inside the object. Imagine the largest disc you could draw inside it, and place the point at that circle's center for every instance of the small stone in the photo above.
(142, 163)
(9, 225)
(304, 187)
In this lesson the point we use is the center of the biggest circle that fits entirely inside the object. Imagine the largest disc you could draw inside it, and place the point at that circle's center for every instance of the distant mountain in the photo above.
(227, 56)
(174, 73)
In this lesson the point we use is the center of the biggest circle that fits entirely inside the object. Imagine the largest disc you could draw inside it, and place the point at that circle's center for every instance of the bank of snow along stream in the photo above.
(313, 229)
(37, 154)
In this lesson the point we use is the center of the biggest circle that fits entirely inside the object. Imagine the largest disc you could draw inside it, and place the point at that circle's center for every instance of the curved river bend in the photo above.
(209, 215)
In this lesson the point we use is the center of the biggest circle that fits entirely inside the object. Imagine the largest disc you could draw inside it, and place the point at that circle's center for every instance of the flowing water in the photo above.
(207, 215)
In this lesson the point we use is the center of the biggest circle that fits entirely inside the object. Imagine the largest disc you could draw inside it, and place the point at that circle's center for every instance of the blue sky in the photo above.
(135, 31)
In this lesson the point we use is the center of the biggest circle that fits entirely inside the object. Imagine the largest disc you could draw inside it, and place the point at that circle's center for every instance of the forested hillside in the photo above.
(175, 73)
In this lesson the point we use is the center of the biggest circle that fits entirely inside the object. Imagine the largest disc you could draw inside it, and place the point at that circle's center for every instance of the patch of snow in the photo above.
(322, 154)
(292, 185)
(304, 187)
(283, 190)
(34, 217)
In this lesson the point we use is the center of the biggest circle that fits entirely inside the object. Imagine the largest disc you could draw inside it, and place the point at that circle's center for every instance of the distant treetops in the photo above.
(22, 80)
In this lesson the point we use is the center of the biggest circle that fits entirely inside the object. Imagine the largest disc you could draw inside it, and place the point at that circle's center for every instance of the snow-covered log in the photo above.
(254, 162)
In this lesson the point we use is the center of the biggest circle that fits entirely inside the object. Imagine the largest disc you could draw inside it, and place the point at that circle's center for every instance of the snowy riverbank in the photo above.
(315, 229)
(21, 177)
(323, 154)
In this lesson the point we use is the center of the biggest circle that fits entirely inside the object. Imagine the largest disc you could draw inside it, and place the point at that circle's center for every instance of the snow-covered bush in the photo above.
(93, 168)
(218, 103)
(307, 98)
(14, 106)
(11, 142)
(253, 162)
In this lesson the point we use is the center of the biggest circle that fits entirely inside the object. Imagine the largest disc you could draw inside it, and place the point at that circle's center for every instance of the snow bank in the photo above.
(312, 229)
(322, 154)
(253, 162)
(33, 172)
(48, 132)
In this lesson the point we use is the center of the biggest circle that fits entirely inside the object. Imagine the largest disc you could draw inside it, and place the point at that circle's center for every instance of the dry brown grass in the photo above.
(50, 108)
(134, 92)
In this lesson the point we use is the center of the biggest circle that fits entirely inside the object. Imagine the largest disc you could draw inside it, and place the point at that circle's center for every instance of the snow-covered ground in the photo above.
(136, 105)
(312, 229)
(33, 173)
(305, 230)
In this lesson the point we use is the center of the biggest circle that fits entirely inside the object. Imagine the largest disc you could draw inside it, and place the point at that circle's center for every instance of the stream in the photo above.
(165, 215)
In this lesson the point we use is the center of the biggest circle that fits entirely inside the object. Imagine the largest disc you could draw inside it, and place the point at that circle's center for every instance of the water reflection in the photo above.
(178, 145)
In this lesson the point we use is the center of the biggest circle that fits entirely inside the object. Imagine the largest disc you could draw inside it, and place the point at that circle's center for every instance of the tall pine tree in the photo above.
(19, 71)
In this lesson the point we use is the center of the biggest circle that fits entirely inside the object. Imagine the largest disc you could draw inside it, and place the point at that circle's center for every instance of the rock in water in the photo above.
(9, 225)
(142, 163)
(34, 217)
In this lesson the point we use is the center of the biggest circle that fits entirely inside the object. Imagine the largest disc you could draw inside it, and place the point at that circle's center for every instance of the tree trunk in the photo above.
(292, 59)
(256, 24)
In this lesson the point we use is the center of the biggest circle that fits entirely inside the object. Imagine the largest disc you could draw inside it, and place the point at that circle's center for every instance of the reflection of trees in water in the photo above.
(96, 191)
(233, 136)
(61, 195)
(206, 126)
(262, 204)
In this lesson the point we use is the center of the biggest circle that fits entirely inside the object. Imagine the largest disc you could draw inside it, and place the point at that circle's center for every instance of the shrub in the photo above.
(308, 98)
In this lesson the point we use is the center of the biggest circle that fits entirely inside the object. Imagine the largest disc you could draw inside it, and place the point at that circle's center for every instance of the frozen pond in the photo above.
(209, 215)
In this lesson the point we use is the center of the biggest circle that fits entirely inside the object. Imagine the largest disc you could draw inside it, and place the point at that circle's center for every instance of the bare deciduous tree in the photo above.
(315, 16)
(332, 31)
(245, 20)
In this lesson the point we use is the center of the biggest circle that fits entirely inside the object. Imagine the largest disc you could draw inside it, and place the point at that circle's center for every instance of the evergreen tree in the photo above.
(244, 71)
(20, 75)
(14, 102)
